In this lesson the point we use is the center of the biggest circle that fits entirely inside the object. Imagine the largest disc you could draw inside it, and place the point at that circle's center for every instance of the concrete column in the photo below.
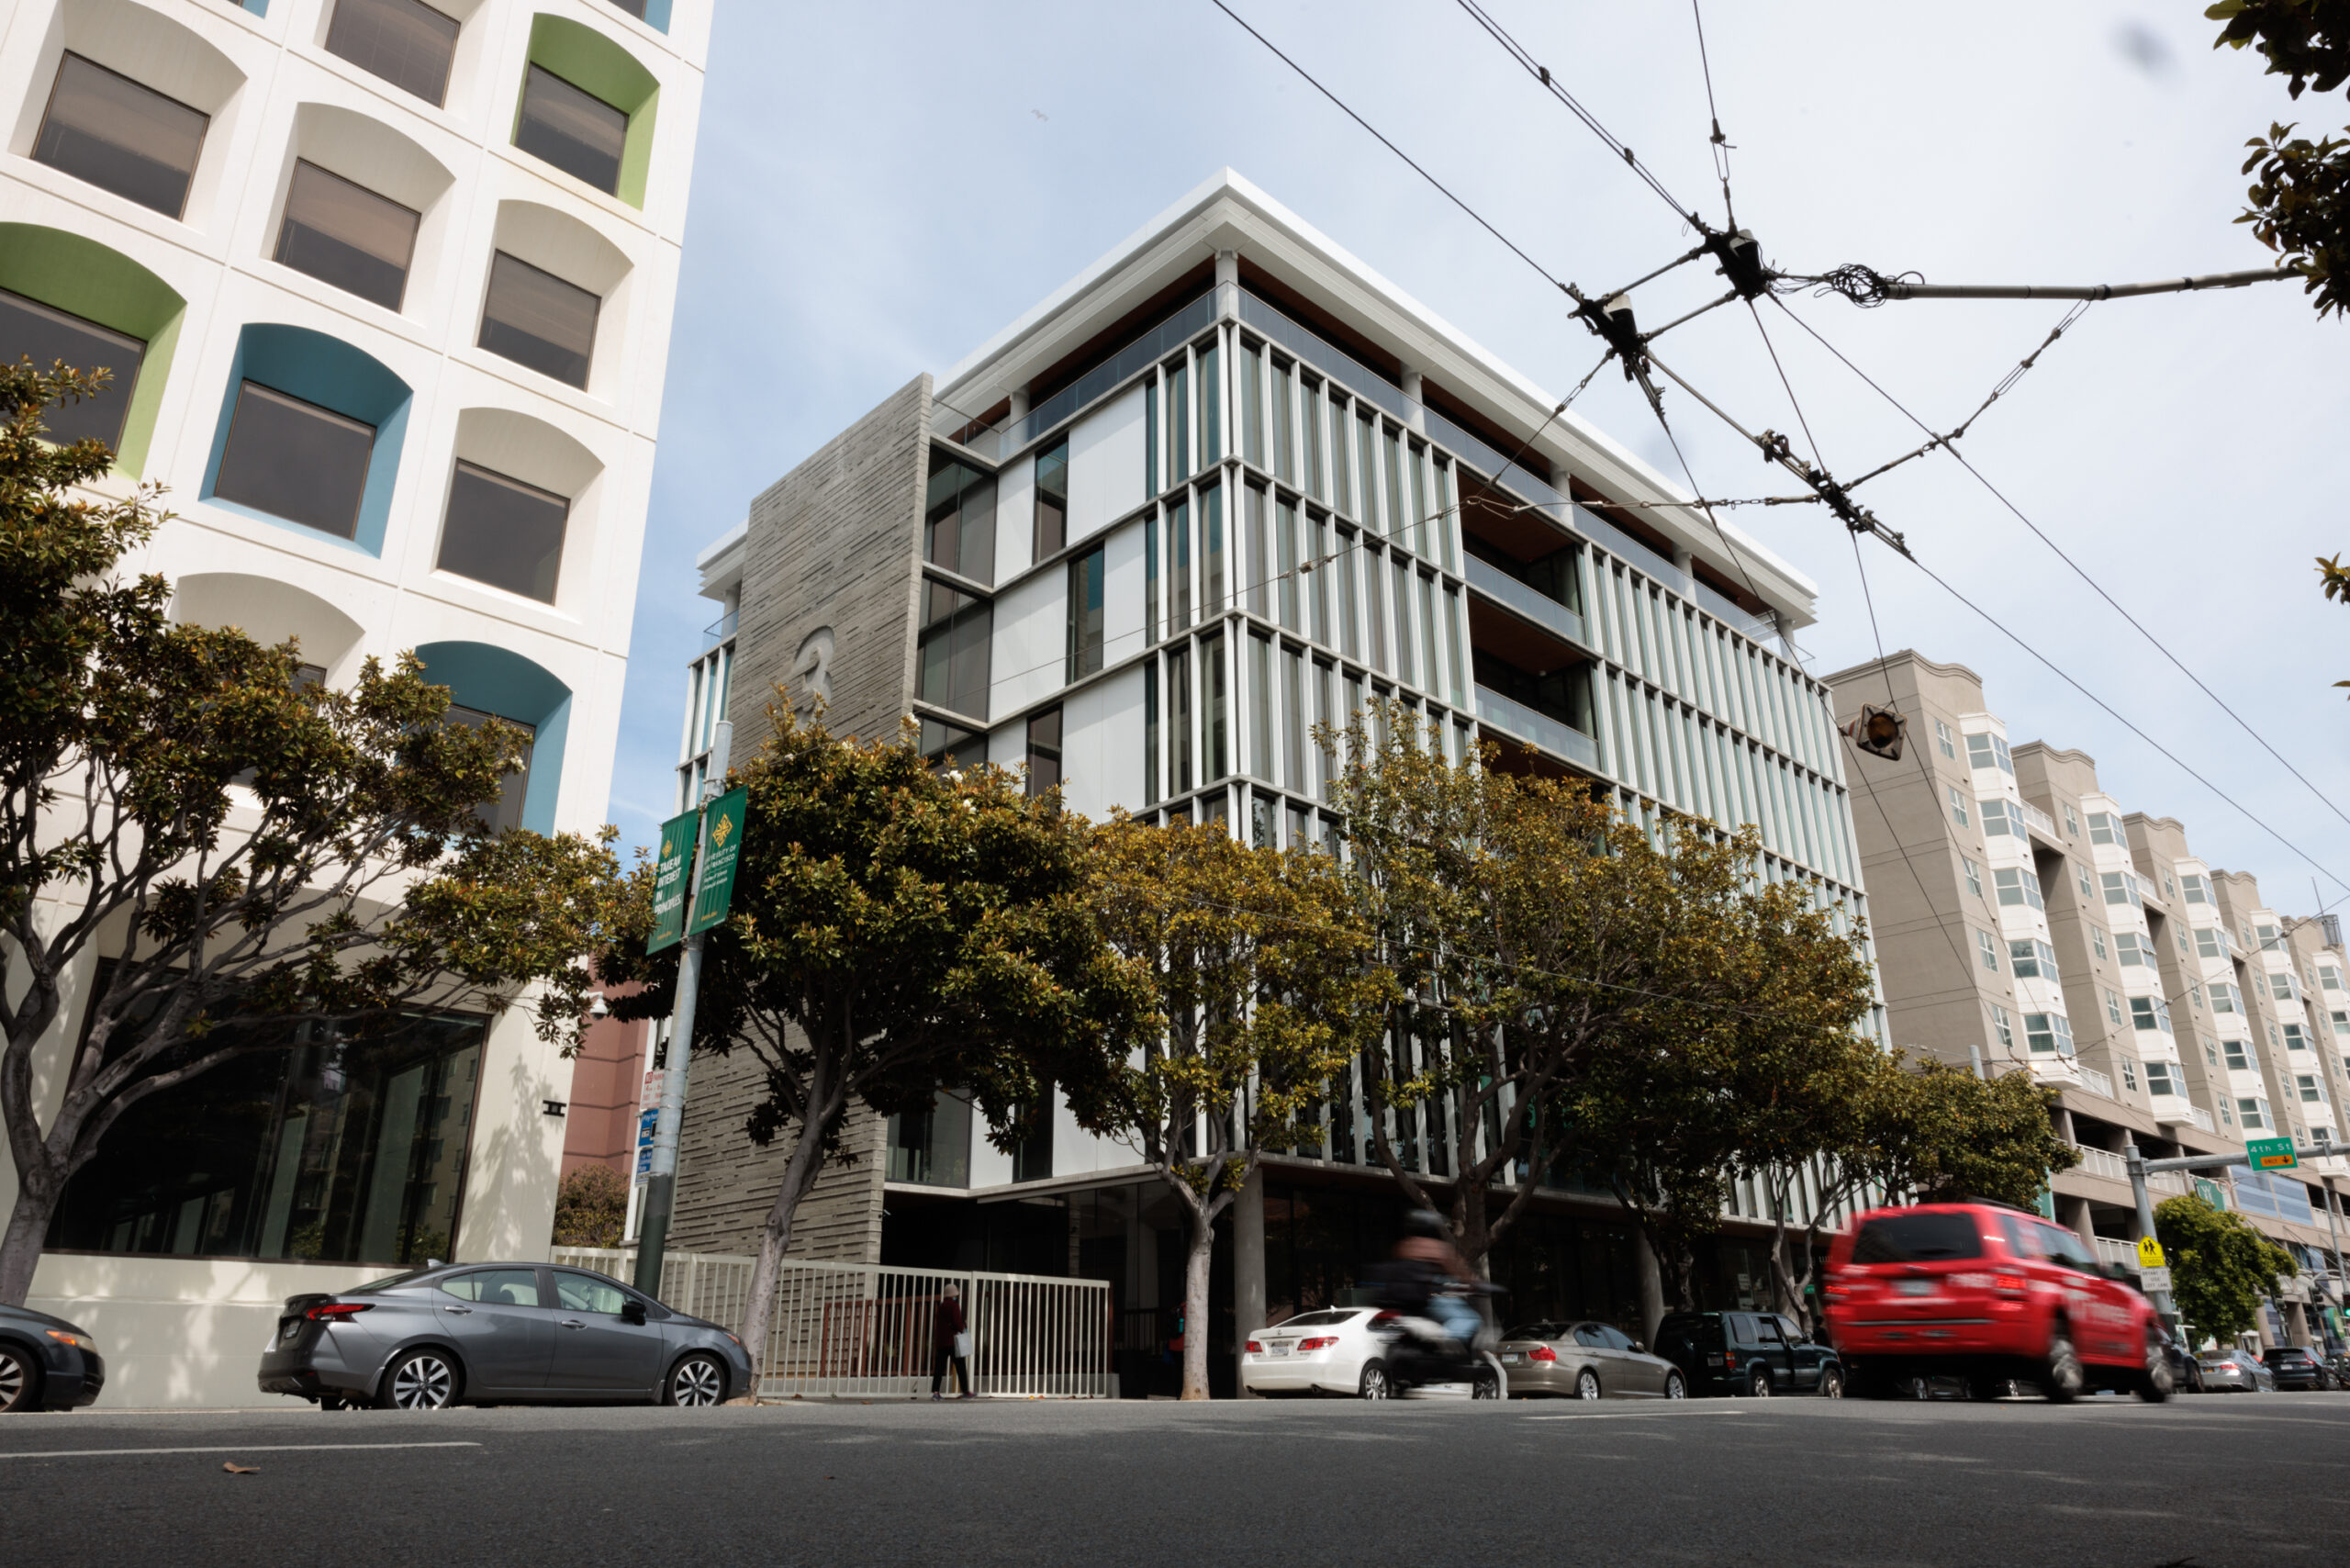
(1418, 419)
(1652, 1287)
(1248, 1265)
(1228, 285)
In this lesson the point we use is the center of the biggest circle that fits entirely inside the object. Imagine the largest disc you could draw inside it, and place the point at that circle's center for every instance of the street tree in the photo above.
(248, 858)
(1261, 987)
(2222, 1268)
(1475, 884)
(2298, 204)
(897, 931)
(1905, 1132)
(1742, 1009)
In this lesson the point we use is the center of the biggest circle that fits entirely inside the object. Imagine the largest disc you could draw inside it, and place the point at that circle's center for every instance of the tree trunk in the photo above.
(28, 1228)
(1195, 1302)
(799, 1175)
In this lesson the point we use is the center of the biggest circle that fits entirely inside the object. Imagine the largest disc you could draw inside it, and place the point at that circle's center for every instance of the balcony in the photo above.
(1531, 602)
(2180, 1112)
(721, 629)
(1514, 718)
(2061, 1072)
(2170, 1184)
(2124, 1253)
(2101, 1162)
(2040, 819)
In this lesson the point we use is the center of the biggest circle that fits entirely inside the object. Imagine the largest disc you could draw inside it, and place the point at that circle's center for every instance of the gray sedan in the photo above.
(498, 1333)
(1585, 1360)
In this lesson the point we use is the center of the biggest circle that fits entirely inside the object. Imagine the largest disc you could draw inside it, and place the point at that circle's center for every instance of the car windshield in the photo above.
(1537, 1331)
(1918, 1237)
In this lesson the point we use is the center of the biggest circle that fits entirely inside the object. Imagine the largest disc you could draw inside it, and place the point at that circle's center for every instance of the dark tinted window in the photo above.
(297, 461)
(103, 128)
(1087, 576)
(32, 330)
(1052, 499)
(954, 649)
(1044, 751)
(1615, 1338)
(949, 745)
(1588, 1334)
(534, 318)
(633, 7)
(1699, 1331)
(958, 520)
(1535, 1331)
(347, 235)
(503, 810)
(571, 128)
(1321, 1319)
(1922, 1238)
(406, 42)
(503, 532)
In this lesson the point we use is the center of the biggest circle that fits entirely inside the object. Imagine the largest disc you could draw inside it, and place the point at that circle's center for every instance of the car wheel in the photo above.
(1486, 1384)
(696, 1383)
(19, 1378)
(421, 1379)
(1373, 1383)
(1757, 1383)
(2061, 1377)
(1586, 1385)
(1831, 1383)
(1675, 1388)
(2155, 1384)
(1985, 1389)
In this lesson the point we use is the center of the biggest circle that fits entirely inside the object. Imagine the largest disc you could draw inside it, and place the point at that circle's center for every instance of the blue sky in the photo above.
(879, 187)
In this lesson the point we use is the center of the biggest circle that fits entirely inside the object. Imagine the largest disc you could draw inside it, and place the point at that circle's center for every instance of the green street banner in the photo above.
(715, 880)
(670, 882)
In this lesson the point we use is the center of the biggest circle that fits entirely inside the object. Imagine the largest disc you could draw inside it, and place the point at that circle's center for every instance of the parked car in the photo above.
(1754, 1353)
(498, 1333)
(46, 1363)
(2234, 1371)
(1585, 1360)
(2186, 1371)
(2297, 1366)
(1331, 1351)
(1988, 1294)
(2338, 1363)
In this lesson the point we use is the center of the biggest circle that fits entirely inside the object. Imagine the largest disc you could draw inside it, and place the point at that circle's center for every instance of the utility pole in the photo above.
(2140, 1168)
(661, 1187)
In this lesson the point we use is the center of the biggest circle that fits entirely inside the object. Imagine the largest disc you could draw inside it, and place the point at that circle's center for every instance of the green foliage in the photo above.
(591, 1207)
(2300, 202)
(2220, 1267)
(257, 857)
(1258, 991)
(1944, 1135)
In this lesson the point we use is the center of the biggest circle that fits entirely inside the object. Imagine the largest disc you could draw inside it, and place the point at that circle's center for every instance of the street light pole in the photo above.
(661, 1186)
(2137, 1164)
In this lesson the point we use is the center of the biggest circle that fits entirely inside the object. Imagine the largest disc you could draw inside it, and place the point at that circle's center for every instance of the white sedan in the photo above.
(1333, 1351)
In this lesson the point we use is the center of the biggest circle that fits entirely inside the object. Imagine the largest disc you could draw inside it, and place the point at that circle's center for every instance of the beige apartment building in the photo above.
(2026, 921)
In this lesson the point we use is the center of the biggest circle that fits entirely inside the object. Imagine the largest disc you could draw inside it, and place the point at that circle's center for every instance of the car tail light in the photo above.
(335, 1311)
(2008, 1284)
(1543, 1353)
(1383, 1317)
(1307, 1346)
(1254, 1348)
(1730, 1360)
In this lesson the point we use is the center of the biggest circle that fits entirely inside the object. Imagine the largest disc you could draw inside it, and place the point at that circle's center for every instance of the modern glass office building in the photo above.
(385, 287)
(1225, 487)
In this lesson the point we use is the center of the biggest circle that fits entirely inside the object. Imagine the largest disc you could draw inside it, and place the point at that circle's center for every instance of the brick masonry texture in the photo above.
(834, 545)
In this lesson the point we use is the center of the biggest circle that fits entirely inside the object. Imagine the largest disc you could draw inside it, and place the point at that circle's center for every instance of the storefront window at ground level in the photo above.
(332, 1150)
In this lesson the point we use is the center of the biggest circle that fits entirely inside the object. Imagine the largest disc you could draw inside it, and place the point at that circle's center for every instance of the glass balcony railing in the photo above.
(1530, 601)
(1514, 718)
(997, 444)
(721, 629)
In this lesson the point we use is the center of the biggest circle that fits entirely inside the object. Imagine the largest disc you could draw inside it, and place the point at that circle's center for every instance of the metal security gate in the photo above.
(866, 1329)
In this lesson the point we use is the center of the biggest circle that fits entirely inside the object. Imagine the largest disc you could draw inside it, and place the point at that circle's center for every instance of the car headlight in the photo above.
(79, 1342)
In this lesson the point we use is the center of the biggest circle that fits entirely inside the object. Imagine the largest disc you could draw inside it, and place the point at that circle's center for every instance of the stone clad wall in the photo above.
(726, 1183)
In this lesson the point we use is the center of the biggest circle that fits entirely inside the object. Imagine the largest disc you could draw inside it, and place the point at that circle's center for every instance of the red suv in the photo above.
(1986, 1293)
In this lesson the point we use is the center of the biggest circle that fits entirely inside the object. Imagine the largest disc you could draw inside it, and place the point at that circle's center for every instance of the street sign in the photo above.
(648, 1122)
(714, 880)
(670, 882)
(2154, 1279)
(2212, 1193)
(2270, 1153)
(2150, 1253)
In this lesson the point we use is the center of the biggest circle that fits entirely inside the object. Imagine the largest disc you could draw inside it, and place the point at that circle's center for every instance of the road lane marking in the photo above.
(1611, 1414)
(230, 1448)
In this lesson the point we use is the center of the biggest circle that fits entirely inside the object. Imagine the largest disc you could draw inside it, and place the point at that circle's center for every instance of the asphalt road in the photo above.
(2215, 1480)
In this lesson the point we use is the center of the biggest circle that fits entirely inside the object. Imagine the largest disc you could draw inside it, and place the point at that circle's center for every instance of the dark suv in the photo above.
(2297, 1366)
(1756, 1354)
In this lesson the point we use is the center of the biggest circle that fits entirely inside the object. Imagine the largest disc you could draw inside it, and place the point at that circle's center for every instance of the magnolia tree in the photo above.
(896, 930)
(1260, 988)
(2222, 1267)
(258, 859)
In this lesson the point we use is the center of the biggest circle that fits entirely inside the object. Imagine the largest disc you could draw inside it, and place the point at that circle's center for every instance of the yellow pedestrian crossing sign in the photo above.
(2150, 1253)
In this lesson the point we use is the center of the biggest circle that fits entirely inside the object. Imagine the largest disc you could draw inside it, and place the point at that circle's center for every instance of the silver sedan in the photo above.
(498, 1333)
(1585, 1360)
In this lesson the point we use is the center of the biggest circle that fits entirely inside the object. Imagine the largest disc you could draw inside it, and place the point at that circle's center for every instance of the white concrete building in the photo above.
(387, 287)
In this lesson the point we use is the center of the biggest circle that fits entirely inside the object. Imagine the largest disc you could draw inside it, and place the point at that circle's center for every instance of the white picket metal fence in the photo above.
(867, 1328)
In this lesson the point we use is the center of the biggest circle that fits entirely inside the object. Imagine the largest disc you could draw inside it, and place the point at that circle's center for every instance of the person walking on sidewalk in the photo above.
(949, 1341)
